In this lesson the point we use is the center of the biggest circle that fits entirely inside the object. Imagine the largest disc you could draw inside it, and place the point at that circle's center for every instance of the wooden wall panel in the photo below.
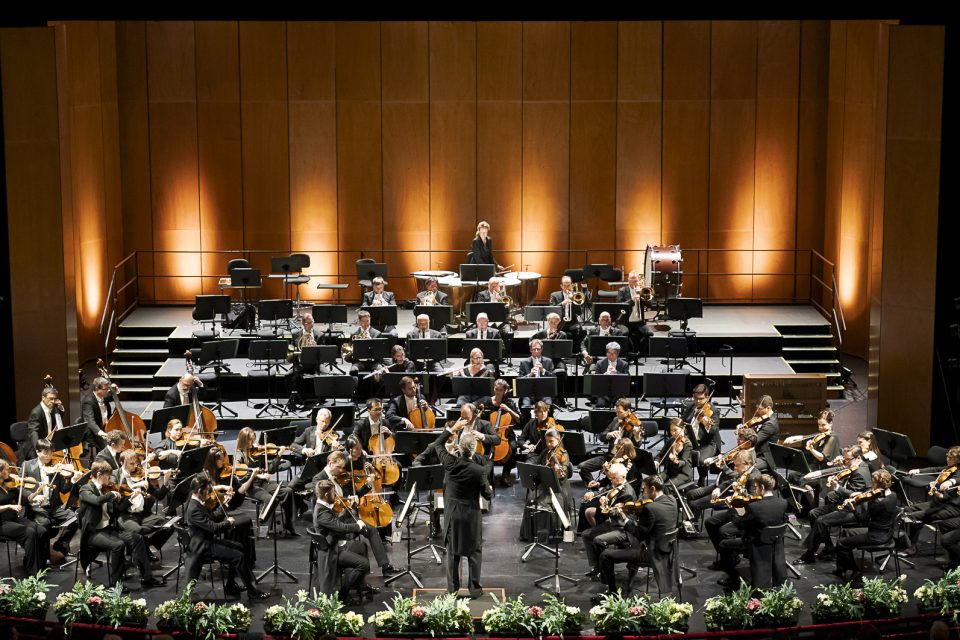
(311, 85)
(812, 134)
(174, 187)
(112, 211)
(39, 315)
(219, 147)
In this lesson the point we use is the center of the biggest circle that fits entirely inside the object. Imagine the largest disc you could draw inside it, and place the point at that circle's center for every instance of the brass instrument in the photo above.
(507, 301)
(643, 292)
(306, 340)
(346, 351)
(578, 297)
(430, 298)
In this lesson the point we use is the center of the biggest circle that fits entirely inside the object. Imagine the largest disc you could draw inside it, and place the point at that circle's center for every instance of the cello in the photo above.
(130, 423)
(424, 418)
(381, 449)
(502, 425)
(201, 419)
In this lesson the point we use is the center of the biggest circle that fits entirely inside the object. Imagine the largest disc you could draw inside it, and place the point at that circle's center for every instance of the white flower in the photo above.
(597, 610)
(141, 602)
(572, 611)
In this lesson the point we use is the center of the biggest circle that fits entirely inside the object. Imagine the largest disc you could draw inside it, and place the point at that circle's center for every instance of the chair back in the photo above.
(302, 260)
(770, 534)
(667, 542)
(238, 263)
(19, 431)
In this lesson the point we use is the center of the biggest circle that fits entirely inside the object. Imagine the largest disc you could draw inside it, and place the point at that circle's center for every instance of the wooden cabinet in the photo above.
(797, 399)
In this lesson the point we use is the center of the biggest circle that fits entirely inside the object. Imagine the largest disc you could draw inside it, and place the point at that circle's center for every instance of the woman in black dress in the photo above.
(482, 246)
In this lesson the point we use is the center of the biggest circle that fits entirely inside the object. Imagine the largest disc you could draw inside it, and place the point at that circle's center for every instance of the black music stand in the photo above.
(160, 417)
(282, 437)
(391, 383)
(538, 479)
(539, 313)
(574, 443)
(597, 345)
(213, 354)
(329, 314)
(556, 576)
(65, 438)
(496, 311)
(896, 446)
(491, 348)
(683, 309)
(377, 349)
(600, 419)
(477, 274)
(424, 478)
(179, 495)
(269, 354)
(265, 514)
(245, 278)
(440, 314)
(673, 348)
(535, 388)
(427, 350)
(276, 311)
(313, 356)
(382, 316)
(610, 386)
(333, 387)
(191, 460)
(211, 306)
(665, 385)
(470, 386)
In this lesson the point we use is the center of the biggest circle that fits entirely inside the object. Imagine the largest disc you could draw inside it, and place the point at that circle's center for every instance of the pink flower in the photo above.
(4, 588)
(200, 606)
(859, 594)
(94, 600)
(753, 604)
(313, 612)
(535, 612)
(418, 612)
(638, 612)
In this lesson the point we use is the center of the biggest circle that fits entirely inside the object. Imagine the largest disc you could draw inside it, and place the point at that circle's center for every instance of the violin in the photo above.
(16, 482)
(549, 423)
(124, 490)
(738, 502)
(270, 450)
(192, 441)
(943, 477)
(634, 507)
(607, 499)
(340, 503)
(843, 475)
(861, 497)
(728, 457)
(237, 470)
(752, 422)
(558, 458)
(704, 416)
(214, 500)
(330, 439)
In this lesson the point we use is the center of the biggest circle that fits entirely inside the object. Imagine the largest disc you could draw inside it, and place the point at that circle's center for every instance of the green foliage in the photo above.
(942, 595)
(85, 602)
(638, 615)
(445, 614)
(307, 618)
(180, 613)
(26, 598)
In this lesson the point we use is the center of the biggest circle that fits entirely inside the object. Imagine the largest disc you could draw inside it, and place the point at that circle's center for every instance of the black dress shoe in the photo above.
(807, 558)
(290, 533)
(232, 589)
(255, 594)
(370, 590)
(152, 581)
(729, 581)
(388, 570)
(827, 554)
(593, 574)
(153, 557)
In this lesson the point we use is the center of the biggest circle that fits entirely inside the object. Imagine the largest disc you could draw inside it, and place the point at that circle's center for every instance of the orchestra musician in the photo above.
(876, 521)
(465, 481)
(518, 449)
(481, 248)
(483, 330)
(870, 450)
(571, 310)
(703, 427)
(95, 410)
(374, 424)
(482, 430)
(263, 487)
(205, 524)
(536, 366)
(476, 369)
(765, 509)
(378, 296)
(99, 502)
(306, 335)
(423, 329)
(431, 295)
(636, 322)
(604, 328)
(167, 452)
(855, 477)
(47, 509)
(341, 565)
(593, 538)
(824, 447)
(110, 454)
(44, 419)
(613, 364)
(401, 407)
(232, 487)
(553, 331)
(699, 499)
(364, 332)
(15, 526)
(675, 457)
(492, 293)
(136, 514)
(399, 363)
(716, 526)
(625, 453)
(944, 502)
(764, 422)
(181, 392)
(552, 455)
(642, 538)
(619, 427)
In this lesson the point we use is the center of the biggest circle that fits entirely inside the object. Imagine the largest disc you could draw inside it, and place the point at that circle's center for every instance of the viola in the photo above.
(861, 498)
(15, 482)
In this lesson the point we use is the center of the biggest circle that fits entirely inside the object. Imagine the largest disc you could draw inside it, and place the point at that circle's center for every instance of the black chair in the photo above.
(302, 261)
(671, 537)
(364, 283)
(576, 275)
(19, 433)
(237, 263)
(767, 558)
(183, 540)
(888, 549)
(8, 542)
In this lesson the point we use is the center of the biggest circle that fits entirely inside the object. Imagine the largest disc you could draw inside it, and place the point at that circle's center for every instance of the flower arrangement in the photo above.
(732, 610)
(26, 598)
(179, 614)
(877, 598)
(942, 595)
(214, 620)
(83, 603)
(514, 617)
(306, 617)
(637, 614)
(444, 615)
(119, 609)
(778, 607)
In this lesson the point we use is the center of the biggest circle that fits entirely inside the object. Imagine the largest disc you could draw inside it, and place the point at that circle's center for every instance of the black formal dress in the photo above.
(482, 252)
(30, 535)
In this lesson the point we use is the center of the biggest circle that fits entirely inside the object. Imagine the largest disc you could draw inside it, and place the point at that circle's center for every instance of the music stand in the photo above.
(329, 314)
(371, 348)
(611, 386)
(896, 446)
(477, 273)
(539, 313)
(556, 576)
(191, 460)
(161, 417)
(245, 278)
(470, 386)
(211, 306)
(535, 388)
(574, 443)
(537, 478)
(312, 357)
(66, 437)
(672, 348)
(600, 419)
(496, 311)
(382, 316)
(275, 311)
(665, 385)
(333, 387)
(557, 349)
(178, 495)
(440, 314)
(490, 347)
(391, 383)
(282, 437)
(371, 270)
(213, 354)
(597, 345)
(427, 478)
(265, 513)
(427, 349)
(683, 309)
(270, 354)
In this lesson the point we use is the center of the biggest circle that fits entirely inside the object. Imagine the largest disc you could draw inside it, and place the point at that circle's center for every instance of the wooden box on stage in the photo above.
(797, 399)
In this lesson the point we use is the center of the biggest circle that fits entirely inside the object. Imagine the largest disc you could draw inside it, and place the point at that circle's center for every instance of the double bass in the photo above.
(201, 419)
(130, 423)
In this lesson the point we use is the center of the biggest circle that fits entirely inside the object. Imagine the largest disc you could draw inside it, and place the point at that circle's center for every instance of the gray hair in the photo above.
(468, 444)
(323, 413)
(551, 433)
(618, 470)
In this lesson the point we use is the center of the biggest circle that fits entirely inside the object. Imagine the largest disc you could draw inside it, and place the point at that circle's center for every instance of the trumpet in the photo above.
(430, 298)
(346, 351)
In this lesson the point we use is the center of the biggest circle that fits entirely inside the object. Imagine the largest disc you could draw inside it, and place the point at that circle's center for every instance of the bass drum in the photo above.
(662, 270)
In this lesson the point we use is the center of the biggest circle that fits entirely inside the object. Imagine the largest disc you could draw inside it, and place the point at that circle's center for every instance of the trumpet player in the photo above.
(638, 295)
(604, 328)
(431, 295)
(492, 293)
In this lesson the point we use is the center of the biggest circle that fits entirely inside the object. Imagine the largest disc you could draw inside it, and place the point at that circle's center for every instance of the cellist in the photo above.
(401, 408)
(504, 414)
(529, 443)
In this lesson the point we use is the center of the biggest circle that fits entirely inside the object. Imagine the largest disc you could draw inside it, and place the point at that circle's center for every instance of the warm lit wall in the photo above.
(372, 137)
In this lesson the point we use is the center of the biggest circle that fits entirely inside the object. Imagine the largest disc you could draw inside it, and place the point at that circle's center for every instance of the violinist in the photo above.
(704, 426)
(316, 438)
(622, 425)
(764, 422)
(613, 364)
(401, 407)
(475, 369)
(876, 511)
(747, 475)
(167, 452)
(263, 487)
(620, 491)
(944, 502)
(522, 447)
(871, 450)
(854, 477)
(823, 447)
(115, 445)
(642, 538)
(552, 455)
(700, 499)
(44, 419)
(136, 514)
(340, 564)
(47, 509)
(15, 526)
(99, 500)
(675, 457)
(204, 525)
(764, 509)
(231, 487)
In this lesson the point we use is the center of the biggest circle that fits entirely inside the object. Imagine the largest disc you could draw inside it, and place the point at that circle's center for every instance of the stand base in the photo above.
(556, 577)
(538, 545)
(276, 570)
(219, 408)
(406, 572)
(432, 547)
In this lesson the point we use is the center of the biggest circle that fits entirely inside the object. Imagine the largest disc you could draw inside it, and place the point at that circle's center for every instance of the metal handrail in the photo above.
(836, 293)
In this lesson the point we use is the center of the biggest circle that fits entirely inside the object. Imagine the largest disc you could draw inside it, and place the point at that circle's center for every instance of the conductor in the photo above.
(465, 481)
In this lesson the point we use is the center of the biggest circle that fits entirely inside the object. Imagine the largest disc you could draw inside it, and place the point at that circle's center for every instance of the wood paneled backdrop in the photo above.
(378, 137)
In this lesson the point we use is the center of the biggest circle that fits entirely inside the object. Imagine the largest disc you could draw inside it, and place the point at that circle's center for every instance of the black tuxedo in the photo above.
(414, 334)
(768, 432)
(645, 540)
(492, 334)
(38, 429)
(107, 456)
(388, 297)
(90, 413)
(112, 538)
(204, 526)
(526, 366)
(31, 535)
(601, 366)
(338, 567)
(596, 538)
(767, 562)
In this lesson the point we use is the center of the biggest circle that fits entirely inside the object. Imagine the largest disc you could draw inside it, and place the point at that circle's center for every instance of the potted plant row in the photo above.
(203, 620)
(308, 617)
(445, 615)
(942, 595)
(639, 615)
(96, 604)
(748, 608)
(876, 599)
(513, 617)
(25, 598)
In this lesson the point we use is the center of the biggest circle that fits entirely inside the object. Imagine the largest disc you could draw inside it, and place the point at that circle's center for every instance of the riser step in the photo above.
(805, 329)
(129, 332)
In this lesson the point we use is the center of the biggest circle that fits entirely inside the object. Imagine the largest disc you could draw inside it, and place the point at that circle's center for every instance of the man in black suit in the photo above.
(571, 311)
(765, 423)
(137, 513)
(182, 392)
(44, 419)
(423, 329)
(536, 366)
(636, 323)
(642, 538)
(620, 491)
(431, 295)
(830, 515)
(204, 526)
(373, 424)
(96, 410)
(402, 406)
(704, 431)
(483, 330)
(464, 483)
(605, 329)
(110, 454)
(362, 332)
(745, 467)
(880, 517)
(377, 296)
(341, 565)
(98, 531)
(742, 534)
(614, 431)
(47, 509)
(492, 293)
(613, 364)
